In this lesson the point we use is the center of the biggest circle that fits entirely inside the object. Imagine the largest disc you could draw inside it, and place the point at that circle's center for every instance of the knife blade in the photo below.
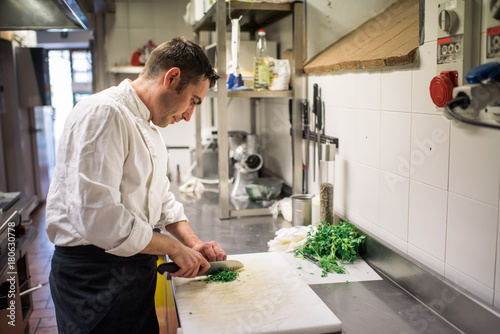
(215, 267)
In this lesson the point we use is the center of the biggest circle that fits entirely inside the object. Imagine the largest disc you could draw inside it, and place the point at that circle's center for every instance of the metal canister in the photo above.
(301, 208)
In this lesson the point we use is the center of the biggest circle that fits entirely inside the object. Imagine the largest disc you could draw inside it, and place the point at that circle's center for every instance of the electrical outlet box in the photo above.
(454, 43)
(454, 49)
(493, 30)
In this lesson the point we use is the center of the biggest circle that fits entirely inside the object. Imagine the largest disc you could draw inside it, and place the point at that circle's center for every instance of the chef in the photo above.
(110, 197)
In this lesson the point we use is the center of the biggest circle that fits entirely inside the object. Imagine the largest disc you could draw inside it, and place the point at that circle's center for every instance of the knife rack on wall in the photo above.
(323, 138)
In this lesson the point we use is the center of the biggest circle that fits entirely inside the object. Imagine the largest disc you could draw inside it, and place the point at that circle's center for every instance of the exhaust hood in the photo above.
(42, 15)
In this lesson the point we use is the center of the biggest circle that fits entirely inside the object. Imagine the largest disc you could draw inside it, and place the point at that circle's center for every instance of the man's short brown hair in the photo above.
(189, 57)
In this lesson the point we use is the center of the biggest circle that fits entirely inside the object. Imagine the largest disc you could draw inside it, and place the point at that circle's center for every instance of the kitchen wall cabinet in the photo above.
(254, 16)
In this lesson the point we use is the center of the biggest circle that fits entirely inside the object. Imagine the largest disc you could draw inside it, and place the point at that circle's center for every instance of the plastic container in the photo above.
(327, 179)
(264, 189)
(315, 210)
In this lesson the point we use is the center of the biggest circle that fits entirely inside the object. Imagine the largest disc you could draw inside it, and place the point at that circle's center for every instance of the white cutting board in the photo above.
(269, 297)
(357, 271)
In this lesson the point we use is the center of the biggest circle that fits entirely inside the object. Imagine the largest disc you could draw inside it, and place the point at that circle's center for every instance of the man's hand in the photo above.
(191, 262)
(211, 251)
(183, 232)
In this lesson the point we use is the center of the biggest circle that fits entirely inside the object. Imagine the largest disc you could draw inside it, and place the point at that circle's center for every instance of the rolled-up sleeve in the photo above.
(137, 240)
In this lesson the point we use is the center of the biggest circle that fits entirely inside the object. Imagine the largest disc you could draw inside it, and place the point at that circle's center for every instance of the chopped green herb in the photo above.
(190, 312)
(222, 276)
(332, 243)
(346, 282)
(299, 267)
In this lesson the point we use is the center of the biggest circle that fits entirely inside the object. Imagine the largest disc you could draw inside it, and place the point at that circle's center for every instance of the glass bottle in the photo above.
(327, 178)
(261, 63)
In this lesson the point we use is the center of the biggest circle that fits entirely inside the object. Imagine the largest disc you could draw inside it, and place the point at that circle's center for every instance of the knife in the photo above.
(319, 124)
(312, 259)
(315, 112)
(215, 267)
(305, 109)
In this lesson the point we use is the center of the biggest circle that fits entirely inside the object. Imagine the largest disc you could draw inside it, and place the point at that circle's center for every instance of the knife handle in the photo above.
(169, 266)
(318, 106)
(310, 258)
(315, 95)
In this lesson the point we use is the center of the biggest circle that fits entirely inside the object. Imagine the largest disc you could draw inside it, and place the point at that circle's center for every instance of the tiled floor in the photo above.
(43, 318)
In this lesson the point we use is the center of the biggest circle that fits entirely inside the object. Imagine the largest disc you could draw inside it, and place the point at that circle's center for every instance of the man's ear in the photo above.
(172, 77)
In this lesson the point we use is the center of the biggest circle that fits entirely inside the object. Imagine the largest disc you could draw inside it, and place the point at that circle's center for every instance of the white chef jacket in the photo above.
(110, 185)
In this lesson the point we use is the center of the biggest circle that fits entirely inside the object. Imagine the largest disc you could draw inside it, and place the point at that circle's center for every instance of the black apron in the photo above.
(97, 292)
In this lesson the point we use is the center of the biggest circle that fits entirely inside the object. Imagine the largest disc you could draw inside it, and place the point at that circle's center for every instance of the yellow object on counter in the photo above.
(161, 280)
(165, 303)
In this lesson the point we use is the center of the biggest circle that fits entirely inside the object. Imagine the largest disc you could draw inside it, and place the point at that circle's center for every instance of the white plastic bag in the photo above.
(279, 71)
(284, 207)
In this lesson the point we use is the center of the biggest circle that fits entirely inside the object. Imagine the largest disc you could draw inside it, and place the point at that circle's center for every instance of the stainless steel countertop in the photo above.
(363, 307)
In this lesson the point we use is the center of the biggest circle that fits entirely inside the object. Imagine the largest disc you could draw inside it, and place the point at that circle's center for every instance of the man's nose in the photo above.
(188, 114)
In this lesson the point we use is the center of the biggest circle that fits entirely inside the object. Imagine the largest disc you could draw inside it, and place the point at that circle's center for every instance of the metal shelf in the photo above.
(125, 69)
(250, 212)
(255, 15)
(255, 94)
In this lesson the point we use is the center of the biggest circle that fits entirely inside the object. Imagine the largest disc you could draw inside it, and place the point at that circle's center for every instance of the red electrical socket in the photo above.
(441, 87)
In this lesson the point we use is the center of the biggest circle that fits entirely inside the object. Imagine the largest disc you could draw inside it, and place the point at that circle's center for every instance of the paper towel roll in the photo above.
(315, 210)
(286, 209)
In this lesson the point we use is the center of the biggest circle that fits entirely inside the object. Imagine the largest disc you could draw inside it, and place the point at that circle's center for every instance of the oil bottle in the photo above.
(261, 63)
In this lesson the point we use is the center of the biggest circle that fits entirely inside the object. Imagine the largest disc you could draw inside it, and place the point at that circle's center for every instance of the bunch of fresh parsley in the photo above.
(330, 244)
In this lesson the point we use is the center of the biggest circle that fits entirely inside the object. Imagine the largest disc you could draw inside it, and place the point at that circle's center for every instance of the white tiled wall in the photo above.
(395, 131)
(394, 204)
(427, 219)
(482, 150)
(426, 185)
(477, 260)
(138, 21)
(368, 137)
(430, 149)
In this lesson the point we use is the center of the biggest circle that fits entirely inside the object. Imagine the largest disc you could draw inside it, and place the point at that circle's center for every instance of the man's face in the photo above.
(172, 106)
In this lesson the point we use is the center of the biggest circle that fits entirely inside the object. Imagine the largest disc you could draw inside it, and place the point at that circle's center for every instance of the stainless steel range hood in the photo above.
(42, 15)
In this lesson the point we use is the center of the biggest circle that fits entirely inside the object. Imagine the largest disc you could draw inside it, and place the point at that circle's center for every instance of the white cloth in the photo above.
(289, 239)
(192, 189)
(110, 185)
